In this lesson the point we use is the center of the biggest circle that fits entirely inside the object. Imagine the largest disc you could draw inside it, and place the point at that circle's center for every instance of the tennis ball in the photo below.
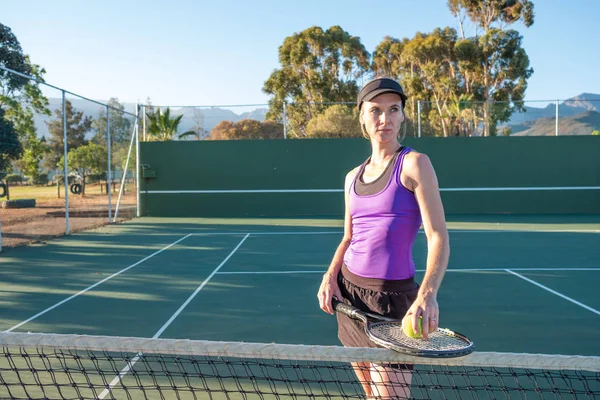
(407, 327)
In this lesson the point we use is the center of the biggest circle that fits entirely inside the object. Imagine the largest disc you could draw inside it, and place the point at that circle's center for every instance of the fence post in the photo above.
(65, 166)
(285, 120)
(109, 172)
(137, 161)
(143, 120)
(419, 117)
(556, 128)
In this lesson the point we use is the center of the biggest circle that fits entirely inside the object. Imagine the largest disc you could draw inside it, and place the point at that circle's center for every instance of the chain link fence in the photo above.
(77, 172)
(579, 116)
(79, 169)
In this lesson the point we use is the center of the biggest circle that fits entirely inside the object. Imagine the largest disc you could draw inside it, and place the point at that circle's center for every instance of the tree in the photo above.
(427, 67)
(247, 129)
(435, 72)
(120, 131)
(34, 150)
(77, 126)
(338, 121)
(86, 160)
(596, 132)
(198, 117)
(163, 128)
(10, 147)
(317, 67)
(486, 13)
(120, 124)
(495, 61)
(20, 98)
(12, 57)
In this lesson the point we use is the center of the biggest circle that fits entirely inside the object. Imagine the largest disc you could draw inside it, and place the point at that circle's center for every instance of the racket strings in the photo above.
(440, 340)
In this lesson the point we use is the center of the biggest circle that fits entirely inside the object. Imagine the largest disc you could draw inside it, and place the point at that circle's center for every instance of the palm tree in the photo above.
(163, 128)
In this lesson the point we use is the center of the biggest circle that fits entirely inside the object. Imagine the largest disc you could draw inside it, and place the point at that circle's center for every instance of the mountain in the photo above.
(580, 124)
(204, 117)
(570, 107)
(588, 101)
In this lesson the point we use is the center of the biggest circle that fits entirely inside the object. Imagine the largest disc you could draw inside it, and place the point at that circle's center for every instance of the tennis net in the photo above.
(55, 366)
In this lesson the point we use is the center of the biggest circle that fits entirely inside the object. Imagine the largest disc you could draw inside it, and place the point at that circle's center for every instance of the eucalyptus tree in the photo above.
(317, 66)
(427, 67)
(493, 61)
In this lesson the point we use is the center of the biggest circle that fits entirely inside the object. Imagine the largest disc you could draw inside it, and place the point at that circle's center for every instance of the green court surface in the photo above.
(514, 284)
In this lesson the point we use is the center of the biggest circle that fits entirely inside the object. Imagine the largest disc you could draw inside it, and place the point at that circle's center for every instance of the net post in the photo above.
(65, 166)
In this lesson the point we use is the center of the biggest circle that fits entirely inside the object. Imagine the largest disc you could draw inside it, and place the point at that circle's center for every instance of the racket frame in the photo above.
(364, 316)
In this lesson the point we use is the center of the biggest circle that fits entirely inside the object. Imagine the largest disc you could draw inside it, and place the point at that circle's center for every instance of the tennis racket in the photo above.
(387, 332)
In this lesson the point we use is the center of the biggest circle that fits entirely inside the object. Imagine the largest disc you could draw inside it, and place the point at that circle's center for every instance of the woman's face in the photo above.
(382, 116)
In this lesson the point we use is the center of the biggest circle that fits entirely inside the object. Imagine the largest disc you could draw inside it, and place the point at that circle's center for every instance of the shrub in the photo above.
(41, 179)
(14, 178)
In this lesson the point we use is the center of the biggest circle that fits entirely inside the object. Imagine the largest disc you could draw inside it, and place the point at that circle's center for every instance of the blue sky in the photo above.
(221, 52)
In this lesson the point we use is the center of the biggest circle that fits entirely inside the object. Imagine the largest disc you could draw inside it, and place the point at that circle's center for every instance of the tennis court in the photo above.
(522, 284)
(516, 284)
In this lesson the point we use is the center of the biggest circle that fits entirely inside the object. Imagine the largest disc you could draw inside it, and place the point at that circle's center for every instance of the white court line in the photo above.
(341, 190)
(555, 292)
(95, 284)
(518, 269)
(321, 271)
(420, 232)
(131, 363)
(270, 233)
(523, 231)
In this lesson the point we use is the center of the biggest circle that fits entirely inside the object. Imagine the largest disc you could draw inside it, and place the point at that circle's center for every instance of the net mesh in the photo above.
(38, 366)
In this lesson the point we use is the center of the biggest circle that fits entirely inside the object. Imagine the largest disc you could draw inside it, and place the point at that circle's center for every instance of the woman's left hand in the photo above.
(425, 306)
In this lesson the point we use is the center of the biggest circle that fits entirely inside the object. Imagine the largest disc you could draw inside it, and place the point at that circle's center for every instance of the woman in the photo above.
(387, 198)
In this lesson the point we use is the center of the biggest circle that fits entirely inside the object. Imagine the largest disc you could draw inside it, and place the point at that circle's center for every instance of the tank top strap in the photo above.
(399, 163)
(358, 174)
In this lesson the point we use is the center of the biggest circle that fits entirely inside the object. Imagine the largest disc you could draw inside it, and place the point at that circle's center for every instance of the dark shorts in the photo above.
(388, 298)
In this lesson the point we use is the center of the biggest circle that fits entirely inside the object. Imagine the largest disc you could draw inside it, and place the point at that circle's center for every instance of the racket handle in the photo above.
(343, 308)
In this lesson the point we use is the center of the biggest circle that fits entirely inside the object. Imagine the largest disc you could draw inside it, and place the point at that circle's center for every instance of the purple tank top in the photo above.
(384, 227)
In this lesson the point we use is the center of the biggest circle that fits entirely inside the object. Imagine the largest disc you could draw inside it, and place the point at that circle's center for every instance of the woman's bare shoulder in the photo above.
(414, 161)
(350, 176)
(352, 173)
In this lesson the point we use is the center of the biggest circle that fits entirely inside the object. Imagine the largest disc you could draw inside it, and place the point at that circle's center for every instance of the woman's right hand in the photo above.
(329, 288)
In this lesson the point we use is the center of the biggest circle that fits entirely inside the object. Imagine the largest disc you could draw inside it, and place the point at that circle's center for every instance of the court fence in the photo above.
(89, 175)
(84, 177)
(313, 120)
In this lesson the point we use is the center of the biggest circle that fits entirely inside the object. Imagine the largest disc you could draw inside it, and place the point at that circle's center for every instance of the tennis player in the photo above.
(387, 199)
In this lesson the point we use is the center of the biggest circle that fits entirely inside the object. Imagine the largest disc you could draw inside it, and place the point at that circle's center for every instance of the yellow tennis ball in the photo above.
(407, 327)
